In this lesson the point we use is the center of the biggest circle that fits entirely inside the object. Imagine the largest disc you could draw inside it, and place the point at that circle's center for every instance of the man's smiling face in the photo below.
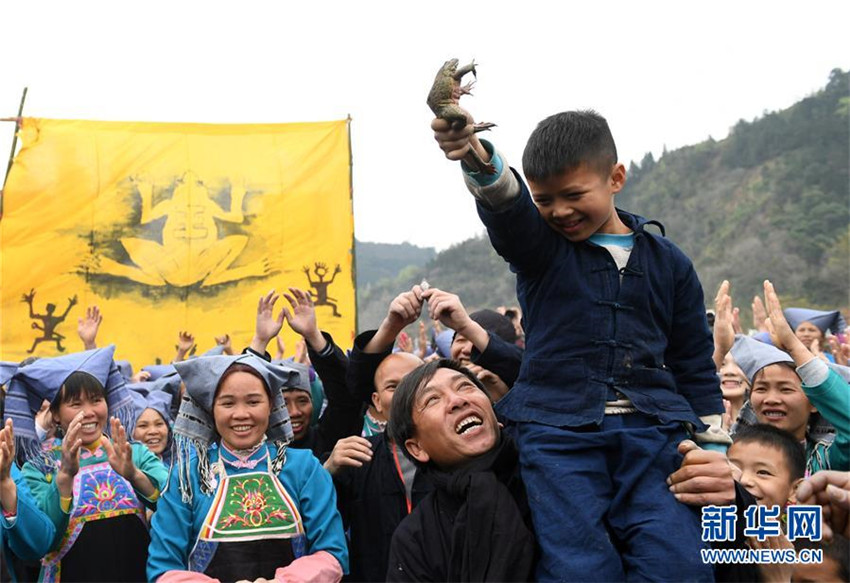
(454, 420)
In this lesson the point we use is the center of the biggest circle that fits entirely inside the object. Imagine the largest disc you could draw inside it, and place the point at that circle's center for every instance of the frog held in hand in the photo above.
(443, 100)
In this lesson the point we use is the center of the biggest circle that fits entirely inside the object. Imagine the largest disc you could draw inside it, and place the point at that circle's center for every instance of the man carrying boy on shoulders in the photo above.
(618, 356)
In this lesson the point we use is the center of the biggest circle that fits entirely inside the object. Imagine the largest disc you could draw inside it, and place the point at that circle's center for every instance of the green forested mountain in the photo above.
(470, 269)
(377, 261)
(772, 200)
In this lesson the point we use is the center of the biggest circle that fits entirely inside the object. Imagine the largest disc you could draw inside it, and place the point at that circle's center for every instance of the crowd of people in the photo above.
(585, 435)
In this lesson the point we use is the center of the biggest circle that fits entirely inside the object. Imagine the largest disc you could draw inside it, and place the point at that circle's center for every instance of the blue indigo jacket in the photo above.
(592, 329)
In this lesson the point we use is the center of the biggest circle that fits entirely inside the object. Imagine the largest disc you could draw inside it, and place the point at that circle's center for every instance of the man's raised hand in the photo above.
(302, 319)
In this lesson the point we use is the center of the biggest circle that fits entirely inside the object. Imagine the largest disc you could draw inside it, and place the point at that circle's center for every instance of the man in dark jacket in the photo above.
(376, 485)
(475, 525)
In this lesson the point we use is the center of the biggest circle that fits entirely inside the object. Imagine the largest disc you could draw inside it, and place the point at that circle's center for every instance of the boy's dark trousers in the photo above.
(600, 504)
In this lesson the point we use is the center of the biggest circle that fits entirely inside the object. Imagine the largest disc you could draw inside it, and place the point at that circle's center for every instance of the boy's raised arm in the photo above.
(516, 230)
(493, 191)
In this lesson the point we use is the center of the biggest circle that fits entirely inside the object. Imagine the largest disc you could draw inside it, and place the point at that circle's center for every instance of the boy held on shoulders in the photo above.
(618, 356)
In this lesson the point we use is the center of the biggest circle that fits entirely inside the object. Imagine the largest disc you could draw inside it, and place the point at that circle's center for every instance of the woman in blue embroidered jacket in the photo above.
(92, 487)
(239, 504)
(25, 531)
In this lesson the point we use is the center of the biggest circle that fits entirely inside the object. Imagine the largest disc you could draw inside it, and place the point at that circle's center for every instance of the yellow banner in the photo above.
(171, 227)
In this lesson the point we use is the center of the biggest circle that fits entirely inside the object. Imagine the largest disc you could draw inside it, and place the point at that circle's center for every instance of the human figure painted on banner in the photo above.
(320, 297)
(192, 250)
(49, 322)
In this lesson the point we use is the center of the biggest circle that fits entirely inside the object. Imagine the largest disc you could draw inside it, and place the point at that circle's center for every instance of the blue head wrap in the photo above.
(158, 395)
(125, 368)
(752, 355)
(823, 320)
(42, 380)
(158, 370)
(216, 350)
(444, 343)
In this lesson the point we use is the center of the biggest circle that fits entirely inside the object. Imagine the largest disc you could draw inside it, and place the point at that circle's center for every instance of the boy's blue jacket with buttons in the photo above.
(587, 333)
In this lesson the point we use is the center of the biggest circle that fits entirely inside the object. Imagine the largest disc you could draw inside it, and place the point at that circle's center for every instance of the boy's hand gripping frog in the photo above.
(443, 100)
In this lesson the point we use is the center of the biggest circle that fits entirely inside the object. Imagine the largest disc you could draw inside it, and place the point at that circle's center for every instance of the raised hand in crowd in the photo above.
(403, 311)
(781, 334)
(704, 477)
(302, 318)
(301, 354)
(495, 386)
(815, 349)
(119, 454)
(44, 420)
(736, 321)
(840, 352)
(759, 314)
(267, 326)
(224, 341)
(423, 341)
(724, 329)
(351, 451)
(726, 420)
(8, 491)
(140, 377)
(831, 490)
(88, 326)
(281, 347)
(448, 310)
(185, 344)
(70, 464)
(778, 572)
(405, 343)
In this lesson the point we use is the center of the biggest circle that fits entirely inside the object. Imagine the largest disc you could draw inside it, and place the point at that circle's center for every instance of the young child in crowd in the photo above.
(618, 355)
(772, 465)
(771, 461)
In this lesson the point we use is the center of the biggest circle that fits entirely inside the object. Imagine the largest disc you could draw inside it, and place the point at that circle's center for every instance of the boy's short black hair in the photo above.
(773, 437)
(400, 427)
(564, 141)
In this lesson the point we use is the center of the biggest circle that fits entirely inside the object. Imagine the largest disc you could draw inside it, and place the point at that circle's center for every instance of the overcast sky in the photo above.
(663, 73)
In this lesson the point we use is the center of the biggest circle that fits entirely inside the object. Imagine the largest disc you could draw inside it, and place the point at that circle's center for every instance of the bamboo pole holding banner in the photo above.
(353, 238)
(17, 121)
